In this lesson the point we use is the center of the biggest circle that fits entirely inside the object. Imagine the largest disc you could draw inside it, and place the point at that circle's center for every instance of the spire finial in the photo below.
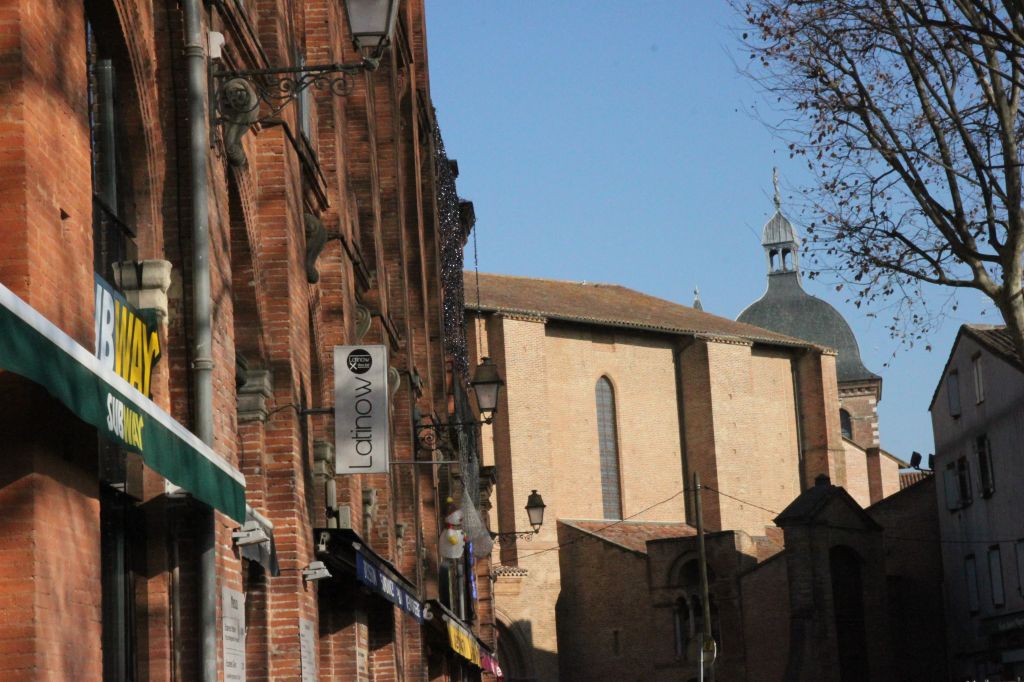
(775, 182)
(696, 299)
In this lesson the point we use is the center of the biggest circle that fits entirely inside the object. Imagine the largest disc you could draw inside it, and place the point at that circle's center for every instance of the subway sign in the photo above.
(127, 343)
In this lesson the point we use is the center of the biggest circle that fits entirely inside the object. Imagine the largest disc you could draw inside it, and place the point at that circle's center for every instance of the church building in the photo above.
(613, 400)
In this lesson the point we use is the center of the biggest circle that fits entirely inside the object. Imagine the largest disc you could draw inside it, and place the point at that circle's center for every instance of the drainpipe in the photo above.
(202, 362)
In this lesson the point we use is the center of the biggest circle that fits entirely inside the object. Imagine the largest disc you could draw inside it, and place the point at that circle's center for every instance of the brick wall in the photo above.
(603, 610)
(367, 171)
(741, 434)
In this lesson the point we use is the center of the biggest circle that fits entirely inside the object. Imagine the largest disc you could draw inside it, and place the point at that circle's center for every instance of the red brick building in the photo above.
(130, 547)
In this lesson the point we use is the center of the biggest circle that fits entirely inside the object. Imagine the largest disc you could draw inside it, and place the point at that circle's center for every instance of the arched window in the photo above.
(683, 621)
(772, 266)
(845, 424)
(608, 442)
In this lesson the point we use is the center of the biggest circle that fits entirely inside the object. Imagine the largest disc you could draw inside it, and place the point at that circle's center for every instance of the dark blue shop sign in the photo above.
(382, 582)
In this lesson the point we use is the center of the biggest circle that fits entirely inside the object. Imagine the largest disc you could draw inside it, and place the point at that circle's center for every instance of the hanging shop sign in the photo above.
(382, 582)
(361, 434)
(463, 642)
(127, 342)
(35, 348)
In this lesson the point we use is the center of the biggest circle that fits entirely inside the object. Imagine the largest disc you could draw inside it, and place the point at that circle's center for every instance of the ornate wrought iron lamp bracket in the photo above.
(514, 535)
(433, 435)
(240, 95)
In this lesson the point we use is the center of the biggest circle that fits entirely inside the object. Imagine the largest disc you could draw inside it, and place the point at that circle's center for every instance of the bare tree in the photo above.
(909, 114)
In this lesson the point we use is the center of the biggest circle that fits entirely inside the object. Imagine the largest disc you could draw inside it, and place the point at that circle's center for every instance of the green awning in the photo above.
(33, 347)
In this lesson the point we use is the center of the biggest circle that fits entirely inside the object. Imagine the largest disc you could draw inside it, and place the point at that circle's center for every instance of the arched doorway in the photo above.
(512, 655)
(848, 606)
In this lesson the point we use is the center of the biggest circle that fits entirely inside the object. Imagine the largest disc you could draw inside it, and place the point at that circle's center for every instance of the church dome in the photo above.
(788, 309)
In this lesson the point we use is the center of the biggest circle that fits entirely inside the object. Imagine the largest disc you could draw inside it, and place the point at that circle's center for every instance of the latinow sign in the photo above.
(361, 435)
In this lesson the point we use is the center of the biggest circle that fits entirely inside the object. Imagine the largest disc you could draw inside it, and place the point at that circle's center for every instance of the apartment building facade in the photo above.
(978, 421)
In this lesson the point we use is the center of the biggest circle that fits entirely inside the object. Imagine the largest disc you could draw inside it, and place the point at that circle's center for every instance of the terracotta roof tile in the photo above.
(607, 304)
(631, 535)
(909, 478)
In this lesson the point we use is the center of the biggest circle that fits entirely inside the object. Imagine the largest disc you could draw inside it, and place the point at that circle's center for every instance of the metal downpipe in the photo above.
(202, 362)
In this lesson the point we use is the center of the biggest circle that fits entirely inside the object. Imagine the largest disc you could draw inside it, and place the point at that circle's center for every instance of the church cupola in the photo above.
(786, 308)
(781, 245)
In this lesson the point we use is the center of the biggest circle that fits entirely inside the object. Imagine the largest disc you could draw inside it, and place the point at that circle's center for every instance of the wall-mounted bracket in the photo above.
(240, 95)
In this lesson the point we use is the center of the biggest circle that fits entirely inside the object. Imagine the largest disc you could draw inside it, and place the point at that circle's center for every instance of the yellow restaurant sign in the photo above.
(126, 344)
(463, 642)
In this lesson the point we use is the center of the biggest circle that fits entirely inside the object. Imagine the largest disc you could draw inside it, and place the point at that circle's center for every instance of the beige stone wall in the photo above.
(546, 438)
(640, 369)
(741, 434)
(857, 482)
(890, 476)
(753, 452)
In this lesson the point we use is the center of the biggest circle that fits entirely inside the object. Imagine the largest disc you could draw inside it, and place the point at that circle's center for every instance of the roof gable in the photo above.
(821, 499)
(992, 338)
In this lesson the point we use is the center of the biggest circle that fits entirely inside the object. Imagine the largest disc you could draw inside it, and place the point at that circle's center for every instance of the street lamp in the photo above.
(486, 383)
(239, 94)
(535, 511)
(371, 22)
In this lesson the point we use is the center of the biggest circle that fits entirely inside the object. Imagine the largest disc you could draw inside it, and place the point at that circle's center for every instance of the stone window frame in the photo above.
(608, 448)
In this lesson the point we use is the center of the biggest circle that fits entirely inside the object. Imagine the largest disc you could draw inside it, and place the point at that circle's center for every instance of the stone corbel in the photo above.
(323, 459)
(254, 395)
(145, 284)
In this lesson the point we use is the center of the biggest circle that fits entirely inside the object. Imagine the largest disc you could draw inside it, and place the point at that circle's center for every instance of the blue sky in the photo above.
(613, 141)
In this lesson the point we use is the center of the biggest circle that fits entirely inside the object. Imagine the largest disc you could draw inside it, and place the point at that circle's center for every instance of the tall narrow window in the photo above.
(845, 424)
(952, 488)
(608, 440)
(984, 451)
(953, 393)
(971, 574)
(995, 575)
(1019, 546)
(963, 474)
(979, 381)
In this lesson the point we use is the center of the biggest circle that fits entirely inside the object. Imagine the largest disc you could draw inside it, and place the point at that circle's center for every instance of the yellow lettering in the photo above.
(137, 343)
(125, 336)
(150, 353)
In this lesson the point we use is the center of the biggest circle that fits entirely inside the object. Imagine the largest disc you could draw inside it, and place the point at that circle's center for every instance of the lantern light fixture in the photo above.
(535, 511)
